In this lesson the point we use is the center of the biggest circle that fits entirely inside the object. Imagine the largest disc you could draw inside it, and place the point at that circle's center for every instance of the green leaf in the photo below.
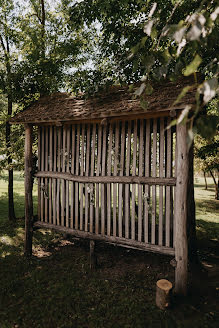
(148, 89)
(207, 126)
(144, 103)
(193, 66)
(182, 94)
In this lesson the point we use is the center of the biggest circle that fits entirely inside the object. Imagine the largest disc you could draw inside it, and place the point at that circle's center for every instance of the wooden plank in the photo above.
(72, 172)
(115, 170)
(168, 191)
(161, 173)
(92, 199)
(181, 242)
(109, 172)
(86, 174)
(133, 174)
(127, 186)
(111, 117)
(121, 172)
(63, 189)
(147, 174)
(46, 169)
(77, 173)
(103, 172)
(54, 181)
(154, 173)
(140, 172)
(109, 179)
(82, 173)
(39, 180)
(99, 144)
(50, 169)
(67, 158)
(109, 239)
(174, 218)
(42, 168)
(58, 181)
(28, 191)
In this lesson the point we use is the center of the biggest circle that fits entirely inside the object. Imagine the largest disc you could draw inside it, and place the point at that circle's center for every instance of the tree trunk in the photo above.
(191, 220)
(206, 185)
(216, 184)
(11, 212)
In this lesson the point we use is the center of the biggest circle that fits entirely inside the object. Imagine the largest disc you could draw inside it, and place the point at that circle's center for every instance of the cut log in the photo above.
(163, 290)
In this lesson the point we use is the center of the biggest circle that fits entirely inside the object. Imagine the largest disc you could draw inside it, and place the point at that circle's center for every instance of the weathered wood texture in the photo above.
(105, 178)
(28, 191)
(163, 293)
(181, 246)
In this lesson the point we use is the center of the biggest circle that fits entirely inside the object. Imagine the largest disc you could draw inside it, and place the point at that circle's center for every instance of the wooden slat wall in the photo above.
(133, 148)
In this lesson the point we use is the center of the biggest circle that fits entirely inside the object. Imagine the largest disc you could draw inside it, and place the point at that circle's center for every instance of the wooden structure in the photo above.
(110, 170)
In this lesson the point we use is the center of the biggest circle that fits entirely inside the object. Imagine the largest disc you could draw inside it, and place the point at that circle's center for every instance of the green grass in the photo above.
(55, 288)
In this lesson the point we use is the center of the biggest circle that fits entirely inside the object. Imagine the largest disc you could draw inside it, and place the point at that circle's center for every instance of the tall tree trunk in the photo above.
(216, 184)
(11, 212)
(191, 220)
(206, 185)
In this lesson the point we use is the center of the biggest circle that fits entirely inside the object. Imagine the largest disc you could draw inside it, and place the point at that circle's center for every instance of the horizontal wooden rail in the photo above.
(107, 179)
(109, 239)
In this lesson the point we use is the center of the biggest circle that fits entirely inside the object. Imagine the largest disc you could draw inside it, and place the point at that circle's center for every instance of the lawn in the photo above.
(55, 288)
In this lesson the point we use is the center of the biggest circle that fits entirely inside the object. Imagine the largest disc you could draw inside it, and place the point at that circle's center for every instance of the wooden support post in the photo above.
(92, 255)
(28, 191)
(181, 243)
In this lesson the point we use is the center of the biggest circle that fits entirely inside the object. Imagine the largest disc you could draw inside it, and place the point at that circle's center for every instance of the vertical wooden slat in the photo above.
(127, 187)
(121, 172)
(133, 174)
(92, 174)
(46, 169)
(67, 157)
(54, 169)
(99, 144)
(109, 171)
(161, 167)
(82, 173)
(168, 175)
(147, 174)
(28, 191)
(42, 169)
(140, 172)
(115, 169)
(58, 181)
(77, 173)
(154, 173)
(87, 173)
(39, 169)
(72, 172)
(103, 172)
(63, 204)
(174, 218)
(50, 169)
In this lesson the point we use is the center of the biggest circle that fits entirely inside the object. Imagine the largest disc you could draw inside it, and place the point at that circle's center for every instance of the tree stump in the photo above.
(163, 293)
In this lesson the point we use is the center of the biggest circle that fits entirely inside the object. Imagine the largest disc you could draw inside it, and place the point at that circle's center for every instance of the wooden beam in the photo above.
(181, 244)
(28, 191)
(108, 179)
(109, 239)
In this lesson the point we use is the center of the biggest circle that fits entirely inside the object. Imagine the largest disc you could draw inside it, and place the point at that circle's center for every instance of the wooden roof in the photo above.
(118, 101)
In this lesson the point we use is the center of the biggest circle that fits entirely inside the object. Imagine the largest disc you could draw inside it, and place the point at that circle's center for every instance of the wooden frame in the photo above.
(113, 166)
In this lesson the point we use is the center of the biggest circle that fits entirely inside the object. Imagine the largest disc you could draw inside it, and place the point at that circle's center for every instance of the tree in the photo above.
(7, 62)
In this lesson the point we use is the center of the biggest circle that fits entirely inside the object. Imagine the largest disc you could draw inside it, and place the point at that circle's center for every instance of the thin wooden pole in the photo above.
(147, 174)
(161, 169)
(140, 173)
(133, 174)
(92, 168)
(154, 173)
(87, 170)
(28, 191)
(181, 244)
(109, 172)
(127, 186)
(39, 168)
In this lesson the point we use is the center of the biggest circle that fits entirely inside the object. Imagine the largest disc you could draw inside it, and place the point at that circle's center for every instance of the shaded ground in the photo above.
(55, 288)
